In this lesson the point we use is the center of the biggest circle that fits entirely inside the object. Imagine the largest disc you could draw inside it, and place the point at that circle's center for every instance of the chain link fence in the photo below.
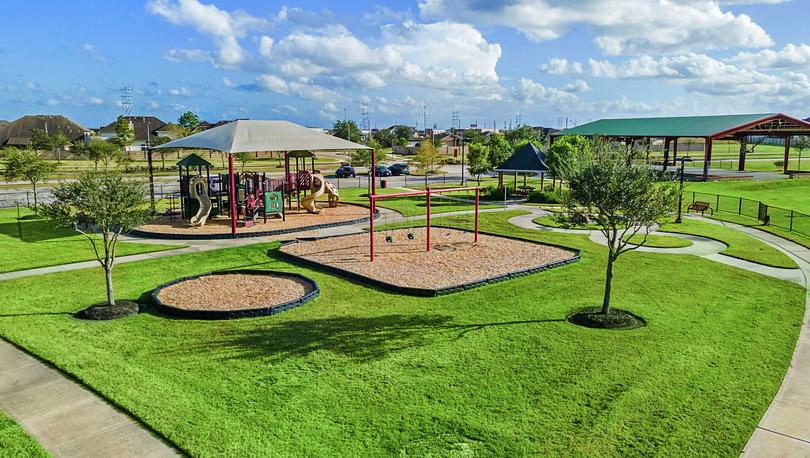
(770, 215)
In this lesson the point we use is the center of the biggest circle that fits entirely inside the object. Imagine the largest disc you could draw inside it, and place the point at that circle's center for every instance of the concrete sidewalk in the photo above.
(66, 418)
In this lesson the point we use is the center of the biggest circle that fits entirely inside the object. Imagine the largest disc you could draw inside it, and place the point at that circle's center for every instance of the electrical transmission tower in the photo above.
(126, 100)
(365, 123)
(518, 120)
(456, 123)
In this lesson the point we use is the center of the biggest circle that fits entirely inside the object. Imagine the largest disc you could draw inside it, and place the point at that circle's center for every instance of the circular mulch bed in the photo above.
(593, 317)
(234, 294)
(121, 309)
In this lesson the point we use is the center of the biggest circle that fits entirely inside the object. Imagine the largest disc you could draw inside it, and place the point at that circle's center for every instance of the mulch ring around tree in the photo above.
(234, 294)
(615, 319)
(104, 311)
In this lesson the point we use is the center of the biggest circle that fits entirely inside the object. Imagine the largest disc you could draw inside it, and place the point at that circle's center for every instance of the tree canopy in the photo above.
(188, 121)
(107, 202)
(28, 165)
(478, 159)
(346, 130)
(124, 132)
(624, 200)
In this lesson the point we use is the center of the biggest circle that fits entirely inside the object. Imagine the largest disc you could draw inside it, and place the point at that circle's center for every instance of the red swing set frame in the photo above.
(373, 198)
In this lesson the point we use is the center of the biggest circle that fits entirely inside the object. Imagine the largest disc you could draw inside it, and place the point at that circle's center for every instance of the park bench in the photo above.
(701, 207)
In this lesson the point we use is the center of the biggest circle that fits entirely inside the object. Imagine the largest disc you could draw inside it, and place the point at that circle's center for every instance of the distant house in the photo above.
(18, 132)
(205, 125)
(145, 127)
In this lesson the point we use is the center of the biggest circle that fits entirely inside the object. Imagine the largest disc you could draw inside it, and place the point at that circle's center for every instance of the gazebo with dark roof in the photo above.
(709, 128)
(528, 159)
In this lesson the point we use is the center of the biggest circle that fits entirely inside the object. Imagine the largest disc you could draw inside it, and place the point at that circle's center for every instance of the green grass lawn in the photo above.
(14, 442)
(491, 371)
(791, 194)
(740, 245)
(44, 245)
(659, 241)
(415, 205)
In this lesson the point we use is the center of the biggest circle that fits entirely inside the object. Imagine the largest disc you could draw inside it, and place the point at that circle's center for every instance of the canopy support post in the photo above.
(232, 197)
(788, 138)
(373, 171)
(707, 158)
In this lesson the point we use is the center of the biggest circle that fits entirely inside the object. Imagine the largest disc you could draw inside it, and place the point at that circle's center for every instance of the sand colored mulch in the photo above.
(453, 259)
(222, 225)
(233, 292)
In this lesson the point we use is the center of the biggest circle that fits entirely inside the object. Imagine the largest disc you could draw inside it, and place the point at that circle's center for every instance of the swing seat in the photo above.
(411, 236)
(389, 238)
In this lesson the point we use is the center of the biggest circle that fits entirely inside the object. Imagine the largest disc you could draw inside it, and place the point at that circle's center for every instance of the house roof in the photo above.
(139, 123)
(192, 160)
(250, 136)
(18, 132)
(527, 158)
(716, 127)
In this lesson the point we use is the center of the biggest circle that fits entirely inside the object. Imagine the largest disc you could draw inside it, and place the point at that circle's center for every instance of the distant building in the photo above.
(18, 133)
(145, 128)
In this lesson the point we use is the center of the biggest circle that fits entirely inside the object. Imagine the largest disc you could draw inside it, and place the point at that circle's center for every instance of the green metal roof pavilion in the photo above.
(710, 128)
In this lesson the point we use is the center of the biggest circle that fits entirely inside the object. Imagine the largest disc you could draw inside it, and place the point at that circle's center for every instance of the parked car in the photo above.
(345, 171)
(382, 171)
(399, 169)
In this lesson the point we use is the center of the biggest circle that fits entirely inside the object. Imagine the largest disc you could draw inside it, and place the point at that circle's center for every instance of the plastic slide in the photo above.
(205, 202)
(318, 185)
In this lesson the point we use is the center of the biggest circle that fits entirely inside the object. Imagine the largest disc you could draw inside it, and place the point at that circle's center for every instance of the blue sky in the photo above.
(491, 61)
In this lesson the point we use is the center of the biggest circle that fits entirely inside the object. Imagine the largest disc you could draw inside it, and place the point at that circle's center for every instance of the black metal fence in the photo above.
(769, 215)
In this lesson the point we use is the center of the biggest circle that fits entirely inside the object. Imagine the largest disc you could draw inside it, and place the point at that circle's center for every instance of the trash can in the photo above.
(383, 184)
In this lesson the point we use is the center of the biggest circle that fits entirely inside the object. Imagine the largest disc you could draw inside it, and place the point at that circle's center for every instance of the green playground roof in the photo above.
(192, 160)
(693, 126)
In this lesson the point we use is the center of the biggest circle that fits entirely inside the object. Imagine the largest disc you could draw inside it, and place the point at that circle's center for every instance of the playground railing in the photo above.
(769, 215)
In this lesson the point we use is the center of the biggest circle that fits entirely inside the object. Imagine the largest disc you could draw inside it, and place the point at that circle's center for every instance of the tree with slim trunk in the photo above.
(28, 165)
(105, 201)
(623, 200)
(427, 160)
(478, 160)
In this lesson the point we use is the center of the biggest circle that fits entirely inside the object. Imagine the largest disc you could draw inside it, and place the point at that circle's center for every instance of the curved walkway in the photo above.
(784, 430)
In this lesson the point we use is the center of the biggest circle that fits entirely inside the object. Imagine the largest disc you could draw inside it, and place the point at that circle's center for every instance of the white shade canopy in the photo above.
(250, 136)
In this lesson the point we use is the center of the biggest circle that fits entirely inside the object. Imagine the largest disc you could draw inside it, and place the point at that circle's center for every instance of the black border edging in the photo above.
(428, 292)
(234, 314)
(242, 235)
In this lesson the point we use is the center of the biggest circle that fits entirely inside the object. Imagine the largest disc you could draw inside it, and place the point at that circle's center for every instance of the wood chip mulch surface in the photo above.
(453, 259)
(222, 225)
(233, 292)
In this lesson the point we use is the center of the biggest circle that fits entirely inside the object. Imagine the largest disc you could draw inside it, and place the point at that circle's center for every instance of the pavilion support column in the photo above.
(707, 158)
(666, 153)
(232, 196)
(743, 153)
(787, 153)
(542, 178)
(674, 151)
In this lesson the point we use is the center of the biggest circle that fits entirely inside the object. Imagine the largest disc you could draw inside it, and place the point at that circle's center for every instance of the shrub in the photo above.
(545, 197)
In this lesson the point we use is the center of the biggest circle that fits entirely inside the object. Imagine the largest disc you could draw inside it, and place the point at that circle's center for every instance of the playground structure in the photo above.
(205, 196)
(297, 142)
(319, 187)
(428, 192)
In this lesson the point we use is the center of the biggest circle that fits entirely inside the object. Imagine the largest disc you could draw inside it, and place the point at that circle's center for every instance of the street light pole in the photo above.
(462, 159)
(682, 160)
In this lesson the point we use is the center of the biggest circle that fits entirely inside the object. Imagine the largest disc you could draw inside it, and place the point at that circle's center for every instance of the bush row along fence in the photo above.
(770, 215)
